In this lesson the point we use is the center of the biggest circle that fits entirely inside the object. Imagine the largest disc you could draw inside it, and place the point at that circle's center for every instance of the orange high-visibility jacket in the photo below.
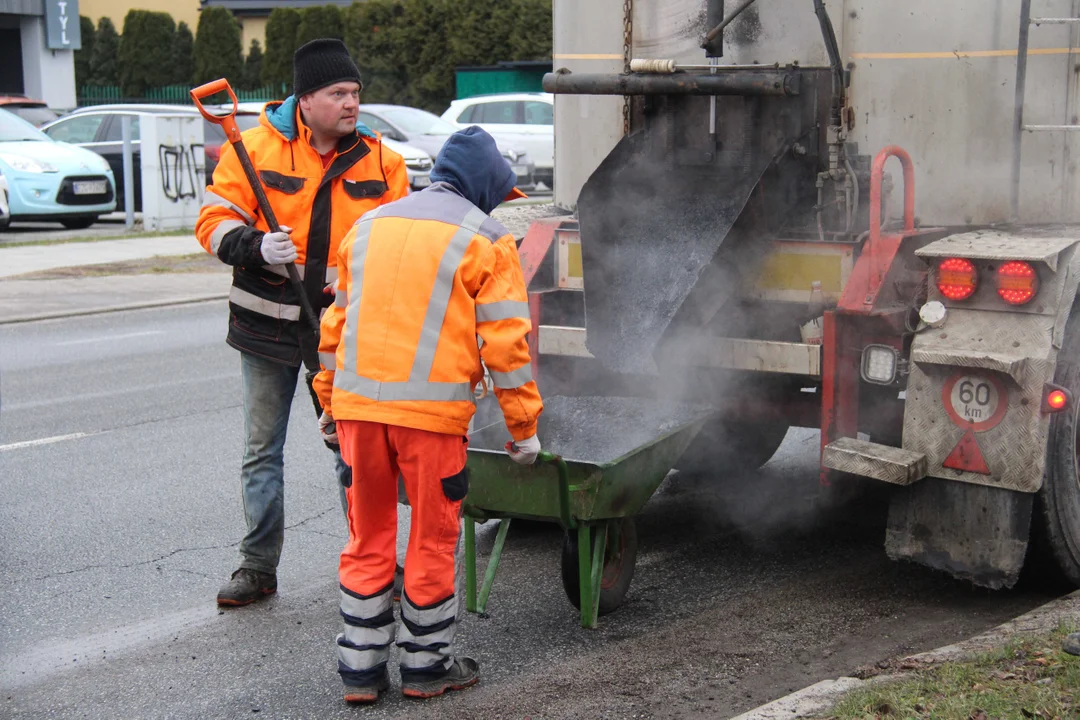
(320, 205)
(420, 280)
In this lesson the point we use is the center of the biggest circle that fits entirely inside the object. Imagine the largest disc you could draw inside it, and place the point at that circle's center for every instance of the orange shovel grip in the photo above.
(226, 121)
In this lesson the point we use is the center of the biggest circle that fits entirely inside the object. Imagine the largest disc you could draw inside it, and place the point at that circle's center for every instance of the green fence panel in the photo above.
(168, 95)
(472, 82)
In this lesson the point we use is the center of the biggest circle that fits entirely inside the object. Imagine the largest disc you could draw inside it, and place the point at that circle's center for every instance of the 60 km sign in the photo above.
(975, 401)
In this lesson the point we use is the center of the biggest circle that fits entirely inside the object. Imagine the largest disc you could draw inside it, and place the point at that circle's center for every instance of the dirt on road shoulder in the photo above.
(194, 263)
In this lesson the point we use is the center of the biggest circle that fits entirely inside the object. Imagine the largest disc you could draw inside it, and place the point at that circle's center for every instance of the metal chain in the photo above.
(628, 42)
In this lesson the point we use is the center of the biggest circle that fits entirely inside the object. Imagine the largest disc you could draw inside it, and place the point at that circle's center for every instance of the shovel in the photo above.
(227, 122)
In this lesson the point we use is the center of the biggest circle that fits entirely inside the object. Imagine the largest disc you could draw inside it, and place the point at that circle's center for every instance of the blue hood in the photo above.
(282, 116)
(471, 163)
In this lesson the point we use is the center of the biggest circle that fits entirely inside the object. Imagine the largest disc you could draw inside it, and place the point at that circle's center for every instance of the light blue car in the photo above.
(52, 181)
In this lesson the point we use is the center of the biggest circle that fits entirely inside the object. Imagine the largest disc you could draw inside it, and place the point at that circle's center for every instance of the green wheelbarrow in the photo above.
(603, 459)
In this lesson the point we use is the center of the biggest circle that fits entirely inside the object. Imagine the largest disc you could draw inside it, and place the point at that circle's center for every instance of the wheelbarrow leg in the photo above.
(590, 571)
(493, 564)
(470, 564)
(473, 602)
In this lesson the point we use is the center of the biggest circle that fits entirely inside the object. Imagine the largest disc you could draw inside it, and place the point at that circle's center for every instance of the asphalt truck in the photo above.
(853, 215)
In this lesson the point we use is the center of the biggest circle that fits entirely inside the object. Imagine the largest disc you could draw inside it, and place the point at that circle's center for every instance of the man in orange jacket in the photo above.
(421, 279)
(322, 170)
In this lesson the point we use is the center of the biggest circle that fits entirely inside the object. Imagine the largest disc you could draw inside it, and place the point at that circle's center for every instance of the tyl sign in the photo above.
(62, 25)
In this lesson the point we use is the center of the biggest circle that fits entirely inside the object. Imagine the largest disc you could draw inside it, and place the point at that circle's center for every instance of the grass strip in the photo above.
(1027, 678)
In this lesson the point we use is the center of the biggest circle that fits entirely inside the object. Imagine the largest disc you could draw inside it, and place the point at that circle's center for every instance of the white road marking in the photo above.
(108, 338)
(141, 389)
(42, 441)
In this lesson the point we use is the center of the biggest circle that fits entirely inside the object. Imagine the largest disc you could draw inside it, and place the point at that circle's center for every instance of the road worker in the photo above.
(321, 170)
(421, 280)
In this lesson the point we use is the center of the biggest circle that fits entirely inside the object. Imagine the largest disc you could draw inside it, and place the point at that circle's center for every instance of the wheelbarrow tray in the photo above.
(617, 452)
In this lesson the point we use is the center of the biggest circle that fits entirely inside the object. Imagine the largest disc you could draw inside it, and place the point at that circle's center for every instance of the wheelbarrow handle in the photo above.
(550, 458)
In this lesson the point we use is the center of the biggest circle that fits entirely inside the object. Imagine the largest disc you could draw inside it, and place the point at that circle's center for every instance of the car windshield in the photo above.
(36, 115)
(15, 129)
(418, 121)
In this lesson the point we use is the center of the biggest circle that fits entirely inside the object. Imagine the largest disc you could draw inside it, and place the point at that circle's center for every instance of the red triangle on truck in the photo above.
(967, 456)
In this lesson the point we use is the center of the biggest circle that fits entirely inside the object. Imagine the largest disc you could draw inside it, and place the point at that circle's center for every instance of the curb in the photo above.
(113, 308)
(821, 696)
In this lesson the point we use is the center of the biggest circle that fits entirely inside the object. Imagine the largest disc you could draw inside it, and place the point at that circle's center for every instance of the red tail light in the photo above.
(956, 278)
(1017, 282)
(212, 152)
(1055, 399)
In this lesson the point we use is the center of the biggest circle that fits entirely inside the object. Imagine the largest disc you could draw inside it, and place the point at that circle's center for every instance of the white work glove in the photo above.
(277, 247)
(524, 452)
(328, 428)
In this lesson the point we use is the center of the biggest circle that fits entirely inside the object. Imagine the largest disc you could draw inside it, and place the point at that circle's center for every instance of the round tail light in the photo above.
(956, 278)
(1017, 282)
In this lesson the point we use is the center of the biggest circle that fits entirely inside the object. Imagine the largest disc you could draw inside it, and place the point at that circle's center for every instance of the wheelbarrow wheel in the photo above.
(619, 559)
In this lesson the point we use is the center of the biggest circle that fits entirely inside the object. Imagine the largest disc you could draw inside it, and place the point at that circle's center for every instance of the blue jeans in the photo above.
(268, 389)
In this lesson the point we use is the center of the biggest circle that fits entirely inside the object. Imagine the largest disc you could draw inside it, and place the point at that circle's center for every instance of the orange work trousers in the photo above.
(436, 481)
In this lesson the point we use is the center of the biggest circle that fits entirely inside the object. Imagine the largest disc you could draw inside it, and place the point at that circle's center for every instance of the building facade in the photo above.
(37, 43)
(253, 14)
(181, 10)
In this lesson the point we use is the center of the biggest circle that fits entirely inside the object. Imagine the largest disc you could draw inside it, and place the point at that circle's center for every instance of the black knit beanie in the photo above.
(320, 63)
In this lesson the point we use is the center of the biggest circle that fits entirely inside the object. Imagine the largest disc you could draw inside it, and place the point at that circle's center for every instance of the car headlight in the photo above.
(25, 164)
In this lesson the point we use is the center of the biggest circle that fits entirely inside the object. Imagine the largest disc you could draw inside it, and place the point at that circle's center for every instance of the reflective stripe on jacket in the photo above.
(319, 205)
(421, 280)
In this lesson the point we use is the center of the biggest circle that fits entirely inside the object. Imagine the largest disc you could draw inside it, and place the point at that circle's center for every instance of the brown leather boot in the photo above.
(245, 586)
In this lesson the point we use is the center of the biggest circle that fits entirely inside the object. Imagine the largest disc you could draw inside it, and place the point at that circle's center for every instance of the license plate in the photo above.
(421, 182)
(89, 187)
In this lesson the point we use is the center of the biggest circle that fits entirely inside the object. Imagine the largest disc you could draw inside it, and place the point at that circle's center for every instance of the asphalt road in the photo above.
(120, 442)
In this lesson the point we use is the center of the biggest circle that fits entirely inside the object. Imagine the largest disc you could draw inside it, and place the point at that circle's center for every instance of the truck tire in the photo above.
(725, 444)
(1059, 497)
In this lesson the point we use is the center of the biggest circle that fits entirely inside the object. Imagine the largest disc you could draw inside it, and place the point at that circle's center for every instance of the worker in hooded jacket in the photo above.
(321, 170)
(429, 286)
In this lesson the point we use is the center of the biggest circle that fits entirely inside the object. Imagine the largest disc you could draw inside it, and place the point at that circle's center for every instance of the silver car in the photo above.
(428, 132)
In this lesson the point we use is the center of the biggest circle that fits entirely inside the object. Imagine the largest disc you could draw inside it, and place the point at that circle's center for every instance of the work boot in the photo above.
(245, 586)
(1071, 644)
(465, 672)
(399, 582)
(363, 694)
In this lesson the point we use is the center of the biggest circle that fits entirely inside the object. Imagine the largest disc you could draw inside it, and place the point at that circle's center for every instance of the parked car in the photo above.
(35, 112)
(48, 180)
(5, 213)
(417, 162)
(428, 132)
(98, 128)
(522, 119)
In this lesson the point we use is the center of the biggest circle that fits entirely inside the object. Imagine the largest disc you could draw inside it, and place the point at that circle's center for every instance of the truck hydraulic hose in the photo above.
(831, 46)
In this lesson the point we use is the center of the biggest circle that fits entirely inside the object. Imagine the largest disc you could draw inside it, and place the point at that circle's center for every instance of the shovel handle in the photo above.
(228, 124)
(226, 121)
